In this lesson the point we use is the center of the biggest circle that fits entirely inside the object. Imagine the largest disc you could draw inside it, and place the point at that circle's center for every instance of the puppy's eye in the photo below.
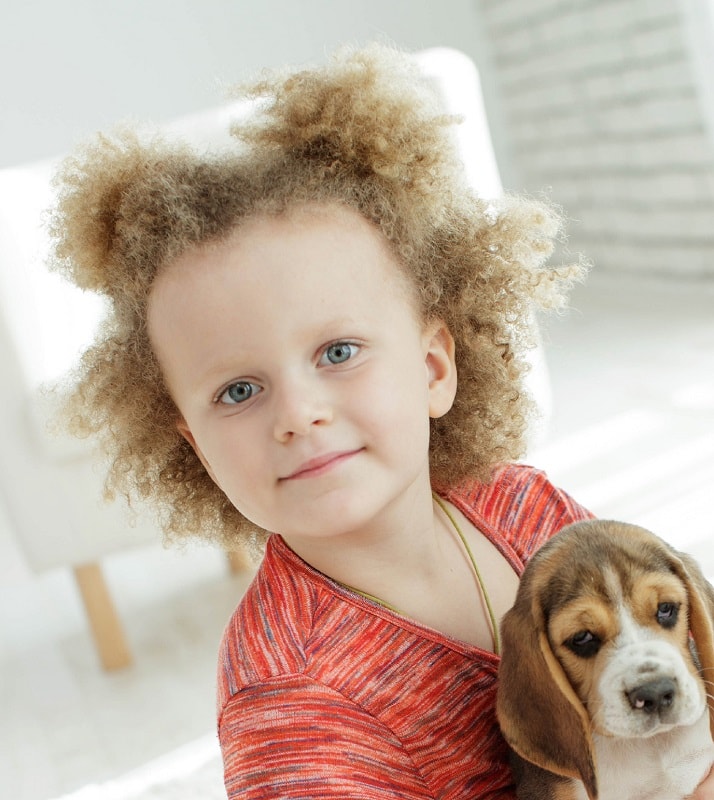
(584, 644)
(667, 614)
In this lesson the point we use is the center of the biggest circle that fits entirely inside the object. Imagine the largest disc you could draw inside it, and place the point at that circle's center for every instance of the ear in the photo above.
(440, 359)
(701, 620)
(541, 717)
(185, 431)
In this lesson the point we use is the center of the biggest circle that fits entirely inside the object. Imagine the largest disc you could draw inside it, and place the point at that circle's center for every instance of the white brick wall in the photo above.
(603, 112)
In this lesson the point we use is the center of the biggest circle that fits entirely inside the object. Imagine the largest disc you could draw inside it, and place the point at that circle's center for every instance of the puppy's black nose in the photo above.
(653, 696)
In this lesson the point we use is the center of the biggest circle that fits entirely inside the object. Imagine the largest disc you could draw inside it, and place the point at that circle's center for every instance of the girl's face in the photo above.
(303, 374)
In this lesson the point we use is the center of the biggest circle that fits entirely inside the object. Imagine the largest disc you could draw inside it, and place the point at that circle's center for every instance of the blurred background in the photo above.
(107, 639)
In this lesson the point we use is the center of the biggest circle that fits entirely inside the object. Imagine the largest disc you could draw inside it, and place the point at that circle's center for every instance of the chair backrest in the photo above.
(50, 485)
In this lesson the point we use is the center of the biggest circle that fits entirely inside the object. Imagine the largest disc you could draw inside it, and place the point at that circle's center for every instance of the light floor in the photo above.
(631, 434)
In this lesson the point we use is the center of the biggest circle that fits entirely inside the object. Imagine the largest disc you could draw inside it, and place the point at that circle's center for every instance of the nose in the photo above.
(653, 696)
(300, 405)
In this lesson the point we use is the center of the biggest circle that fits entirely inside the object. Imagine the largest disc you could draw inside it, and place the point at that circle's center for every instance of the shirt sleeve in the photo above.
(522, 507)
(294, 738)
(541, 510)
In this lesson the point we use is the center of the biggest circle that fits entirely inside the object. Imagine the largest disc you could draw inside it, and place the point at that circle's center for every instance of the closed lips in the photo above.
(320, 464)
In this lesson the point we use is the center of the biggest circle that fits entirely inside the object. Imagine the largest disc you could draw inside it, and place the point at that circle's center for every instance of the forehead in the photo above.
(321, 247)
(275, 278)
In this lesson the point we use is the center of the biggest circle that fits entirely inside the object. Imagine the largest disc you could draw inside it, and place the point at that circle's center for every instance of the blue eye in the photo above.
(239, 392)
(338, 353)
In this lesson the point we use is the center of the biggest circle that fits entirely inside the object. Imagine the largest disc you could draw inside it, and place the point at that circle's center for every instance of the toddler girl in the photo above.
(316, 341)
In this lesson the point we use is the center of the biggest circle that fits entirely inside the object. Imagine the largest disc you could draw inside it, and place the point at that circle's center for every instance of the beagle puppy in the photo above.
(606, 683)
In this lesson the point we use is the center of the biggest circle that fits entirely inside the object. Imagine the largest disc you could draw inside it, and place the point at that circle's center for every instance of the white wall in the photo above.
(609, 102)
(70, 67)
(606, 103)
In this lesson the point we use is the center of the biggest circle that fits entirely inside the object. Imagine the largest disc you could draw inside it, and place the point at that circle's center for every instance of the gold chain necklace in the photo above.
(476, 571)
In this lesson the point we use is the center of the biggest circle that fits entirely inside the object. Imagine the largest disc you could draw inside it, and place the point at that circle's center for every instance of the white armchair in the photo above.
(51, 487)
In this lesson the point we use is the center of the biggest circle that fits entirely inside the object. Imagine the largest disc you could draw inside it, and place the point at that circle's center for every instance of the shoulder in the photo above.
(290, 623)
(265, 637)
(520, 505)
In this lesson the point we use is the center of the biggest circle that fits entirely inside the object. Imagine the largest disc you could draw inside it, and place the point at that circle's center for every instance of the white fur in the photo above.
(666, 766)
(639, 655)
(657, 756)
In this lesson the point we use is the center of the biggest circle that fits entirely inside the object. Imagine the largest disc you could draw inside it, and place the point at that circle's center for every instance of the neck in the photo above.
(420, 565)
(404, 543)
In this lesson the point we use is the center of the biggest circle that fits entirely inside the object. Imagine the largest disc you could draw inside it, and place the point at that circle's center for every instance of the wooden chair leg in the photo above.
(104, 622)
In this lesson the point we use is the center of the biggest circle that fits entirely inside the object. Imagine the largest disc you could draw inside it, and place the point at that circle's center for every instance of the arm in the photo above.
(294, 738)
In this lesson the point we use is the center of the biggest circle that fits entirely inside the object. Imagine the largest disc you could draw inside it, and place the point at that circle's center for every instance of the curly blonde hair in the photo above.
(365, 130)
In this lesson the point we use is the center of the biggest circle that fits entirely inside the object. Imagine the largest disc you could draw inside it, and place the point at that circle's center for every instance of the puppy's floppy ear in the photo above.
(701, 620)
(541, 717)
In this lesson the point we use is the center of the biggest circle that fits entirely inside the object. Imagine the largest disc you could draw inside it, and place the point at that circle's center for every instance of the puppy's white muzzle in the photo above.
(646, 689)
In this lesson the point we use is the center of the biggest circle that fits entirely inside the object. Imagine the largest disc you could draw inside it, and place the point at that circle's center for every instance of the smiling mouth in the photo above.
(321, 465)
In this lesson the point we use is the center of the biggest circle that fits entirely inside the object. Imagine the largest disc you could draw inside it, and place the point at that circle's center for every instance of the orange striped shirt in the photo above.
(324, 694)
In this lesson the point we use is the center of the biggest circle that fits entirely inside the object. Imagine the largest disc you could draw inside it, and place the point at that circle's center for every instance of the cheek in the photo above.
(231, 457)
(400, 387)
(395, 405)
